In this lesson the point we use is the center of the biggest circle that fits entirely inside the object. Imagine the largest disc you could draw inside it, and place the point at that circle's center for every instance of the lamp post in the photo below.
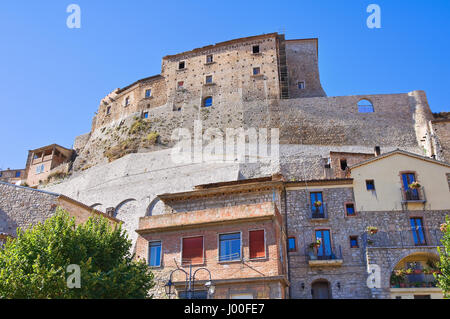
(190, 282)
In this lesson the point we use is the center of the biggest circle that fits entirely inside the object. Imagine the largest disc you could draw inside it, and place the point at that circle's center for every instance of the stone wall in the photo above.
(441, 137)
(352, 275)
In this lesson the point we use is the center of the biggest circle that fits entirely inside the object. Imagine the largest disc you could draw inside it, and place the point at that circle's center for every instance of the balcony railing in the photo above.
(321, 257)
(319, 212)
(416, 280)
(404, 239)
(413, 195)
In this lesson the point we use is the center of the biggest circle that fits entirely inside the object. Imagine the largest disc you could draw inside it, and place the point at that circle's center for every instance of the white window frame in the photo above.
(160, 256)
(218, 248)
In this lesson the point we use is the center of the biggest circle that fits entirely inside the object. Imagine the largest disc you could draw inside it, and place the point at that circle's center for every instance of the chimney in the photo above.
(377, 151)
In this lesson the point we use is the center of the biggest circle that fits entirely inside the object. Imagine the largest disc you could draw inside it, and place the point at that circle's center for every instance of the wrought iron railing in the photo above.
(415, 280)
(335, 253)
(413, 195)
(320, 212)
(404, 239)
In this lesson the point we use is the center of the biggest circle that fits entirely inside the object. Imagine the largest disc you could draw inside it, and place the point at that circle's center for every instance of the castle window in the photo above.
(108, 110)
(255, 49)
(181, 65)
(354, 242)
(209, 79)
(207, 102)
(209, 58)
(146, 115)
(148, 93)
(343, 164)
(256, 71)
(365, 106)
(127, 101)
(370, 185)
(350, 209)
(292, 244)
(301, 85)
(18, 174)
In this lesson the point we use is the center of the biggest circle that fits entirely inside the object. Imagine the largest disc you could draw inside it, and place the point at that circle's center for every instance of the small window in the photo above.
(292, 244)
(370, 185)
(301, 85)
(365, 106)
(350, 209)
(256, 71)
(207, 102)
(180, 84)
(148, 93)
(181, 65)
(354, 242)
(343, 164)
(230, 247)
(18, 174)
(146, 115)
(127, 100)
(209, 79)
(209, 58)
(255, 49)
(257, 244)
(108, 110)
(192, 250)
(154, 254)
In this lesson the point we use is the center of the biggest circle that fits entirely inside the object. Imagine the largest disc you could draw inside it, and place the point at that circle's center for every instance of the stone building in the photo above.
(23, 207)
(12, 176)
(234, 230)
(384, 217)
(45, 161)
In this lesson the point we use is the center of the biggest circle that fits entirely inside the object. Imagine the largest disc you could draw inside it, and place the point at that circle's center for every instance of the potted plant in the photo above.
(372, 230)
(317, 204)
(409, 271)
(414, 185)
(316, 244)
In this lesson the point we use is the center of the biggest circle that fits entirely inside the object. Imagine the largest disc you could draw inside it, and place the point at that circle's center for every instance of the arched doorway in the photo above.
(320, 289)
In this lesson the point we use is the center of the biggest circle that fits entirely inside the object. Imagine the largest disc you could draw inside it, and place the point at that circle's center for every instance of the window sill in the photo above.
(209, 63)
(229, 262)
(258, 75)
(259, 259)
(209, 84)
(180, 70)
(256, 54)
(203, 264)
(148, 98)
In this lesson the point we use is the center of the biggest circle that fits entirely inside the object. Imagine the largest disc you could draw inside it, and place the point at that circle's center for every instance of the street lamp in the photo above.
(190, 282)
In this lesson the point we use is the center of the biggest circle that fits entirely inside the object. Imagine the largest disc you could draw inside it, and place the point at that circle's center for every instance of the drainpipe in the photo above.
(287, 241)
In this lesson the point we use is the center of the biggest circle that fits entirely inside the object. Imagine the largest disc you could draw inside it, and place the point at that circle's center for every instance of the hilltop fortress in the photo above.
(263, 81)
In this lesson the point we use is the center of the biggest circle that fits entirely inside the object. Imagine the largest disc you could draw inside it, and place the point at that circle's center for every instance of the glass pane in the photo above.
(155, 254)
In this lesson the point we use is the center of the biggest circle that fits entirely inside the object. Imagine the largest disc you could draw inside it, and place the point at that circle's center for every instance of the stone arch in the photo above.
(121, 204)
(365, 106)
(98, 206)
(404, 255)
(156, 207)
(128, 212)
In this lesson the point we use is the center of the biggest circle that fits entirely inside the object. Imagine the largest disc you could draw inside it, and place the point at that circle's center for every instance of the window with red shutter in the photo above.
(257, 244)
(192, 250)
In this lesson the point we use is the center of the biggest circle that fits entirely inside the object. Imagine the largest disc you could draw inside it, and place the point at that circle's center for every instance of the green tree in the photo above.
(444, 264)
(34, 265)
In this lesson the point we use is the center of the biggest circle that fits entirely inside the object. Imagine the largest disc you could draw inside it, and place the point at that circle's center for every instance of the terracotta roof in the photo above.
(150, 78)
(399, 151)
(220, 44)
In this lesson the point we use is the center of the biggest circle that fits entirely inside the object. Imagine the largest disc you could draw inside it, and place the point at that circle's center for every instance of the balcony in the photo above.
(413, 195)
(319, 213)
(418, 279)
(318, 258)
(404, 239)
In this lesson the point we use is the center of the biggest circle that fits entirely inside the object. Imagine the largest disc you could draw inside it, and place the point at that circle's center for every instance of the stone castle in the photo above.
(123, 164)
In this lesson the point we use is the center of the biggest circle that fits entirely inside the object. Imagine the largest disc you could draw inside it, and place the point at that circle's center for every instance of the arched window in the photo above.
(365, 106)
(207, 102)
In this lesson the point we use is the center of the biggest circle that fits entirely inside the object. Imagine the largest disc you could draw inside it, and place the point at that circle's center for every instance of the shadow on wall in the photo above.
(7, 225)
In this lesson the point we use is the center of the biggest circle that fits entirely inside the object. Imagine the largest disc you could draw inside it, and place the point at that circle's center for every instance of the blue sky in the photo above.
(52, 77)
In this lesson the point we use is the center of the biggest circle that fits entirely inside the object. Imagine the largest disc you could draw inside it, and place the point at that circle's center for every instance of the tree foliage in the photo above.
(34, 265)
(444, 264)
